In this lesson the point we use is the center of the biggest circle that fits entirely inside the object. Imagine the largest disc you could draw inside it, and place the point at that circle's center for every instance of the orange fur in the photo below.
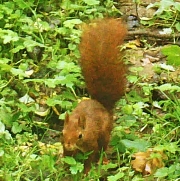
(101, 63)
(89, 126)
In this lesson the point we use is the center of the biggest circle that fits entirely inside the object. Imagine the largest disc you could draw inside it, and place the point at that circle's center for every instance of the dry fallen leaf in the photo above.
(147, 162)
(133, 44)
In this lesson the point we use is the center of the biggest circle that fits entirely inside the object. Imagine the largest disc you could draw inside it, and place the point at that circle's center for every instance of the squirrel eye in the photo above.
(80, 136)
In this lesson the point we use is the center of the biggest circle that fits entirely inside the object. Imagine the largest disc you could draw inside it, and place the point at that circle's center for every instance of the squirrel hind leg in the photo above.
(93, 158)
(103, 142)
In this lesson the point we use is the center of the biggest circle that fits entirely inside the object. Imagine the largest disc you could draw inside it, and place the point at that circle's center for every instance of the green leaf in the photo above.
(173, 54)
(2, 127)
(71, 23)
(24, 4)
(139, 144)
(92, 2)
(6, 117)
(18, 72)
(66, 66)
(128, 109)
(109, 166)
(72, 46)
(66, 104)
(48, 162)
(1, 152)
(8, 36)
(132, 78)
(168, 87)
(8, 8)
(162, 172)
(16, 128)
(164, 5)
(19, 47)
(177, 25)
(170, 147)
(177, 6)
(76, 168)
(55, 101)
(30, 44)
(174, 171)
(4, 64)
(115, 177)
(25, 108)
(69, 160)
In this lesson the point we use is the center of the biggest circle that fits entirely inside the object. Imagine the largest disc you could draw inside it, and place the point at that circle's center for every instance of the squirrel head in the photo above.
(73, 132)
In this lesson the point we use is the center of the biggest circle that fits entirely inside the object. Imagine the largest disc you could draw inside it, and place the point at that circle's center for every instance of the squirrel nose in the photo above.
(69, 144)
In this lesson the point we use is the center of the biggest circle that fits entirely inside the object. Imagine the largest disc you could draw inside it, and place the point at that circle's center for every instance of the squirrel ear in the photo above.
(82, 122)
(66, 120)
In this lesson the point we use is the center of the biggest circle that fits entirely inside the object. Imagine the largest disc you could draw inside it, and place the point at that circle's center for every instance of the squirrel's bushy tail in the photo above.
(101, 60)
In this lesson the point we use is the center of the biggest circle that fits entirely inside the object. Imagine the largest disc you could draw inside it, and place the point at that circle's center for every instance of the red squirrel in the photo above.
(89, 126)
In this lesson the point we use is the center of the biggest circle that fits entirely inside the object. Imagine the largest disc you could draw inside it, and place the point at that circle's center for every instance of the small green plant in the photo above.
(40, 79)
(168, 12)
(173, 55)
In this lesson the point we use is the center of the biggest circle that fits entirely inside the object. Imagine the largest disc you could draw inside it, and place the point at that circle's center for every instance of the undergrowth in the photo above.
(40, 80)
